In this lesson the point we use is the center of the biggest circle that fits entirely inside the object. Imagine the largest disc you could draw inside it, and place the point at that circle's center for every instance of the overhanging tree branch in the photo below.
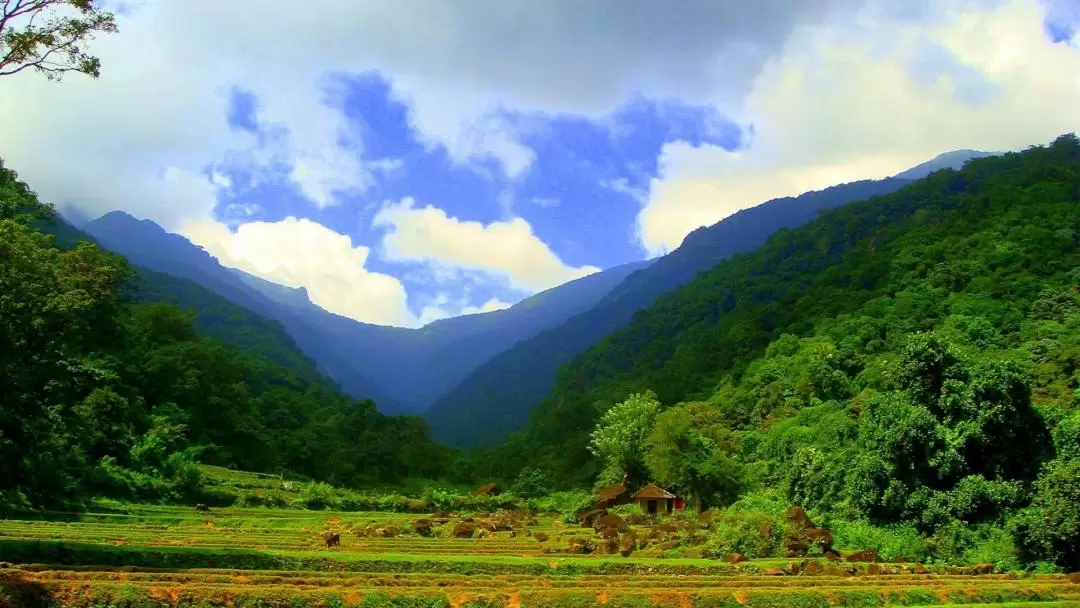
(55, 47)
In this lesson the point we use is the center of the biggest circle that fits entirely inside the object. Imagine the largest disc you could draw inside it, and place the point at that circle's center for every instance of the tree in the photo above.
(619, 437)
(49, 36)
(689, 449)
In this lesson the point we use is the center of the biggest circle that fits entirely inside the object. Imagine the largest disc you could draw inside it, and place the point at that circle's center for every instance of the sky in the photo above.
(410, 161)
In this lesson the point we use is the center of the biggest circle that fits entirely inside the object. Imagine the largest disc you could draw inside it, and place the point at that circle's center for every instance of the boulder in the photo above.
(868, 555)
(464, 530)
(798, 517)
(423, 527)
(608, 546)
(609, 532)
(581, 546)
(819, 537)
(627, 543)
(589, 517)
(610, 520)
(735, 558)
(488, 489)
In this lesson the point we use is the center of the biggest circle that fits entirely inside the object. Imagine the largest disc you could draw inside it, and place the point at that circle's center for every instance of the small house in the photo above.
(653, 499)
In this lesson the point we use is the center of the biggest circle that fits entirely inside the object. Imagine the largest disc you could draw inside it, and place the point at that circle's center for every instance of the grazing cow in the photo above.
(333, 539)
(204, 508)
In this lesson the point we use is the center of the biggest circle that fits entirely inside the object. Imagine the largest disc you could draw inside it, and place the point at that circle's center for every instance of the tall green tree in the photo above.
(691, 449)
(620, 436)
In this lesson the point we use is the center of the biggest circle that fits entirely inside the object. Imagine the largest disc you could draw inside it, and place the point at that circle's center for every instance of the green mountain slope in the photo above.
(108, 394)
(401, 369)
(497, 398)
(987, 255)
(215, 316)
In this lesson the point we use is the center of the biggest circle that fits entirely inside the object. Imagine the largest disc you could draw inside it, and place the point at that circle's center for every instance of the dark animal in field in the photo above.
(203, 508)
(332, 539)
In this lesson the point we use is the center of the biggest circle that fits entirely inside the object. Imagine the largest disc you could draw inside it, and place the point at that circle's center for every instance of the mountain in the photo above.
(865, 336)
(147, 245)
(215, 316)
(948, 160)
(498, 397)
(400, 369)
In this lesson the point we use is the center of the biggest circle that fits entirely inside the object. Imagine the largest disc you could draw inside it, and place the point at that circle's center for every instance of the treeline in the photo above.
(100, 395)
(907, 360)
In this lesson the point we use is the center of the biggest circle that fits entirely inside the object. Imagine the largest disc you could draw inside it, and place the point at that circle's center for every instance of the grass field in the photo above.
(150, 556)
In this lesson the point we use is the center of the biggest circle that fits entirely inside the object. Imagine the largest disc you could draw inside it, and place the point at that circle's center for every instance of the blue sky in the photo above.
(404, 166)
(581, 194)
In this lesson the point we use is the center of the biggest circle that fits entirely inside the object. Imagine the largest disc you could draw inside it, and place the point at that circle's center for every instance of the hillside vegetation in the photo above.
(401, 369)
(911, 359)
(497, 398)
(104, 395)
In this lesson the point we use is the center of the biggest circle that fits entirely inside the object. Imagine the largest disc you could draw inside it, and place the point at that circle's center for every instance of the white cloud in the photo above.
(167, 74)
(508, 249)
(870, 99)
(301, 253)
(828, 104)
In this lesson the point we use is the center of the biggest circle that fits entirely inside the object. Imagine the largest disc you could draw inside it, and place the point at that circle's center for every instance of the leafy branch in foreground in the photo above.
(49, 36)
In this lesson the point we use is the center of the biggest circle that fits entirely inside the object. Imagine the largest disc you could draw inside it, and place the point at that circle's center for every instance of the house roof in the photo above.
(652, 491)
(611, 492)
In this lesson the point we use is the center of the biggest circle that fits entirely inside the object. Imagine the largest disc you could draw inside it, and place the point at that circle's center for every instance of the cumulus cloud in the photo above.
(835, 90)
(301, 253)
(169, 72)
(870, 99)
(508, 249)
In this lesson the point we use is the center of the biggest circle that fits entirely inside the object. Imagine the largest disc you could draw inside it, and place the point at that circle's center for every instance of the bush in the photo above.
(755, 534)
(532, 483)
(1050, 529)
(901, 540)
(317, 496)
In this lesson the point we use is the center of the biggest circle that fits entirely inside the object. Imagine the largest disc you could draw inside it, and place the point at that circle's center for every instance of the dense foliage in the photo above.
(907, 360)
(103, 395)
(496, 398)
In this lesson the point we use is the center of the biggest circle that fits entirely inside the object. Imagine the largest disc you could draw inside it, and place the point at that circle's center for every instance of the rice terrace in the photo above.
(491, 554)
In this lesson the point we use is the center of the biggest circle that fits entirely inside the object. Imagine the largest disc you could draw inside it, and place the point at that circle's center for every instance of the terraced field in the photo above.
(174, 556)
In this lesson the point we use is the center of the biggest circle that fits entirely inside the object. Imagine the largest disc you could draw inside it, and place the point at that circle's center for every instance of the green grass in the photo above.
(149, 556)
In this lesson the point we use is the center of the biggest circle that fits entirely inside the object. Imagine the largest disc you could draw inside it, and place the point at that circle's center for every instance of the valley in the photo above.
(486, 306)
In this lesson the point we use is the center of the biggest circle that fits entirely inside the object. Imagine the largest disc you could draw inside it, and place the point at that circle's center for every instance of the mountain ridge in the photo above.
(403, 370)
(498, 398)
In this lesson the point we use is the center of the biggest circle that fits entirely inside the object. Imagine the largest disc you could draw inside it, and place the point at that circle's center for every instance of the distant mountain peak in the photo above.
(947, 160)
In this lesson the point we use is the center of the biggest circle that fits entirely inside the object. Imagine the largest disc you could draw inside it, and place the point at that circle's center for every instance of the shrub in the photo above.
(901, 540)
(1050, 529)
(753, 533)
(532, 483)
(317, 496)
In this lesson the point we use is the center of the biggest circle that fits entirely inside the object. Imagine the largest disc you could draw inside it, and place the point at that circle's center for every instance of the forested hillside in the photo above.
(910, 359)
(497, 398)
(102, 394)
(976, 254)
(400, 369)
